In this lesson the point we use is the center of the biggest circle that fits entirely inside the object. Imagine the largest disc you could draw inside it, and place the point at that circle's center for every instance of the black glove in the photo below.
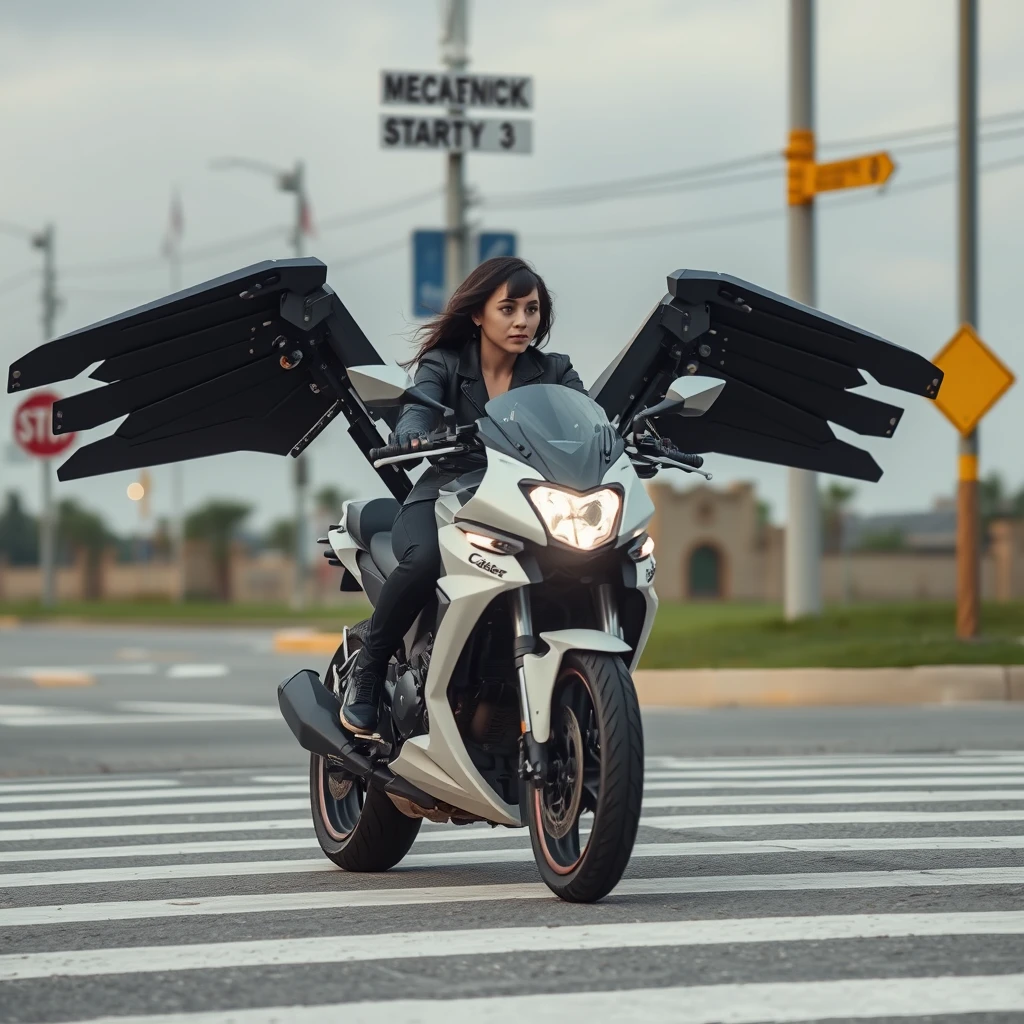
(407, 437)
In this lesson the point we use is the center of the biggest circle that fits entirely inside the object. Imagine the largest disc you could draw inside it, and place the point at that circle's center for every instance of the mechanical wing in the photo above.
(252, 361)
(789, 371)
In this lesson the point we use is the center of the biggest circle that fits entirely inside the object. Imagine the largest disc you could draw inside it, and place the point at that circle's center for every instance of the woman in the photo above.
(486, 342)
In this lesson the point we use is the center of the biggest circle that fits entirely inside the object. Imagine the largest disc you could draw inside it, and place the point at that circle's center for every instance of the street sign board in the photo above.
(447, 89)
(456, 134)
(427, 272)
(32, 430)
(495, 243)
(870, 169)
(974, 379)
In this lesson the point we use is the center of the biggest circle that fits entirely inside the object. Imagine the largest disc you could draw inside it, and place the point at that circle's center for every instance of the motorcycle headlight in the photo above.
(584, 521)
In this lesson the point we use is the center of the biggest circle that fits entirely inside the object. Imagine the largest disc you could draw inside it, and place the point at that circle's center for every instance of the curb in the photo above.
(780, 687)
(306, 641)
(818, 687)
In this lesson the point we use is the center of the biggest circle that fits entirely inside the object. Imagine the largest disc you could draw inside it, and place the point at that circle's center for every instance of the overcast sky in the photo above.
(106, 105)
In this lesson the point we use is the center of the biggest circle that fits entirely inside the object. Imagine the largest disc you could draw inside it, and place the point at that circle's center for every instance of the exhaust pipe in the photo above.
(311, 711)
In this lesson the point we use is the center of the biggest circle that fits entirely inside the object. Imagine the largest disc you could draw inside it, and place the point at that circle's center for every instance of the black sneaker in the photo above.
(362, 698)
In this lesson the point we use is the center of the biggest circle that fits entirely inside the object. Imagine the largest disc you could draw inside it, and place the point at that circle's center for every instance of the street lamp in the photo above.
(293, 181)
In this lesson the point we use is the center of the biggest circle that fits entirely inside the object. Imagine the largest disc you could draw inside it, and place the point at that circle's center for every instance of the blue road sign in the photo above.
(427, 272)
(495, 243)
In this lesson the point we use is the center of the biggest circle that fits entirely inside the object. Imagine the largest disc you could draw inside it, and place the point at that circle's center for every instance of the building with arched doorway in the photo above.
(715, 544)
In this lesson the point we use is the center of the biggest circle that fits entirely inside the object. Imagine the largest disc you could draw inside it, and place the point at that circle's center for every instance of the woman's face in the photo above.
(510, 324)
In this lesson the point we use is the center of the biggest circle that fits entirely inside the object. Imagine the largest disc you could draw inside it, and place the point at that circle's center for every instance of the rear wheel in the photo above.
(584, 818)
(359, 828)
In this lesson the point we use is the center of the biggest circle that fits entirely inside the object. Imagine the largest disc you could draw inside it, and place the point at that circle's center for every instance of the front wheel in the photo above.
(584, 818)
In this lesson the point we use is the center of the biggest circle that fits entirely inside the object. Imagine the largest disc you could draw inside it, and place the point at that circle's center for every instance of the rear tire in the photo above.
(358, 828)
(595, 722)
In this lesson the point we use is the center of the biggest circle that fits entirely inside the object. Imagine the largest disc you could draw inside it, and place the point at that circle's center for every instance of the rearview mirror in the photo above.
(688, 396)
(381, 384)
(386, 386)
(693, 396)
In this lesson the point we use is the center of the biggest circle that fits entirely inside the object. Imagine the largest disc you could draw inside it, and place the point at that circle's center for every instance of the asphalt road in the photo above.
(831, 864)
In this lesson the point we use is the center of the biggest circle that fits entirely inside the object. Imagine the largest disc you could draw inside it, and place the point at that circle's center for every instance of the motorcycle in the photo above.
(510, 701)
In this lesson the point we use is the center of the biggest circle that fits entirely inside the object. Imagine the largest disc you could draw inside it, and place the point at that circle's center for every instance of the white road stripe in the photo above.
(668, 785)
(728, 848)
(63, 795)
(811, 761)
(158, 811)
(169, 793)
(33, 835)
(779, 1002)
(811, 775)
(196, 671)
(155, 809)
(470, 833)
(910, 796)
(689, 821)
(264, 902)
(99, 786)
(338, 949)
(519, 854)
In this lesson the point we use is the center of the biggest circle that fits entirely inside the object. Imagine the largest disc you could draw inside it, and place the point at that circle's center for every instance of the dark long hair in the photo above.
(454, 327)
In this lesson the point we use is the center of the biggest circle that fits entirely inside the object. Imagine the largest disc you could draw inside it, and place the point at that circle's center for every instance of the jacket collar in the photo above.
(527, 367)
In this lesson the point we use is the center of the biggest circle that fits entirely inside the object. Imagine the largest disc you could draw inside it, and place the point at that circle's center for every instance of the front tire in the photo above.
(596, 752)
(358, 827)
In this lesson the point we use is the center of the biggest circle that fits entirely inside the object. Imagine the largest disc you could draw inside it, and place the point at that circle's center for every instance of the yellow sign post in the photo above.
(806, 178)
(974, 379)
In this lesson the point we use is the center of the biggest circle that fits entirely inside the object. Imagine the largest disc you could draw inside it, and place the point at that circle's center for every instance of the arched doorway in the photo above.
(704, 572)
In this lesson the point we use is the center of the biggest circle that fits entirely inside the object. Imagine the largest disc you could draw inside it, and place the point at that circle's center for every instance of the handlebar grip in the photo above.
(389, 451)
(696, 461)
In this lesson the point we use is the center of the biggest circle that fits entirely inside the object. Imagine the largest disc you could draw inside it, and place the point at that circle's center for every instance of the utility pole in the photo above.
(803, 523)
(295, 181)
(173, 251)
(968, 531)
(454, 40)
(44, 240)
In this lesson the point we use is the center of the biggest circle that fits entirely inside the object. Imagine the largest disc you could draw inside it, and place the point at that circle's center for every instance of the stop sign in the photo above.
(32, 426)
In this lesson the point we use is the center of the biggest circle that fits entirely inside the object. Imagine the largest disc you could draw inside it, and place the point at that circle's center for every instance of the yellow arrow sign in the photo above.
(871, 169)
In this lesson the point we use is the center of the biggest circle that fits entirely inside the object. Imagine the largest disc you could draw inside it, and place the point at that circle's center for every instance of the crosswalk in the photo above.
(790, 888)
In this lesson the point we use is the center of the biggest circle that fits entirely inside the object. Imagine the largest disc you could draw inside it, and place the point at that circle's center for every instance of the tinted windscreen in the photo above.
(562, 432)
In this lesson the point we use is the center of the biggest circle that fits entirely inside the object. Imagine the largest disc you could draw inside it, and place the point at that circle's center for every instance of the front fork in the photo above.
(533, 760)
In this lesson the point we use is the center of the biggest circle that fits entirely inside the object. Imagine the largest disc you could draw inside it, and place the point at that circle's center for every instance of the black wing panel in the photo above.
(252, 361)
(788, 369)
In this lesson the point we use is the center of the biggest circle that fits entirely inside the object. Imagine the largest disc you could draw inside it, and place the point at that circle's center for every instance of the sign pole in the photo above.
(968, 534)
(454, 39)
(803, 523)
(47, 537)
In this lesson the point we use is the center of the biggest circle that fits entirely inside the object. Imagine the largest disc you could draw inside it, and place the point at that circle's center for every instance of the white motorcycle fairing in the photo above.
(438, 762)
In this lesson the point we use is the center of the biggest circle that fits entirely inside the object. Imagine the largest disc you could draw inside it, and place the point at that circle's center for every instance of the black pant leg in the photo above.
(409, 587)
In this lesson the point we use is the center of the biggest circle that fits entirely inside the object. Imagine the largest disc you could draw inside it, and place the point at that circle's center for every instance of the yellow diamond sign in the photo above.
(974, 379)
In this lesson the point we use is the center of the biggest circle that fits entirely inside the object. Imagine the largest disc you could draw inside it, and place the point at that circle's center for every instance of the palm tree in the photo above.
(834, 502)
(216, 523)
(79, 530)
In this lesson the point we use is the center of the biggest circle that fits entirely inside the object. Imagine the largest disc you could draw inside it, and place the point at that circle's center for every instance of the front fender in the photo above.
(541, 670)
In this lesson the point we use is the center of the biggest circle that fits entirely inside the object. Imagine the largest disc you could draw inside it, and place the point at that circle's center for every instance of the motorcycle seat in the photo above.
(365, 519)
(381, 553)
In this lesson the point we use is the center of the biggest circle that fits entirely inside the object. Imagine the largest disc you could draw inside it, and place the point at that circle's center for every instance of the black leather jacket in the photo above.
(455, 379)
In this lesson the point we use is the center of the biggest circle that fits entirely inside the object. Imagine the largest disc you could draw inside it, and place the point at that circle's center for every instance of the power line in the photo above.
(252, 238)
(754, 216)
(915, 133)
(345, 219)
(9, 284)
(690, 178)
